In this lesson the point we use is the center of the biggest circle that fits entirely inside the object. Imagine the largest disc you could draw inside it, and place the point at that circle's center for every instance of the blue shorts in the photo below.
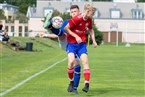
(77, 49)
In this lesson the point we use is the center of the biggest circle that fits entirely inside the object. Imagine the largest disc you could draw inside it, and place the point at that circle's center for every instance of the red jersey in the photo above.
(79, 26)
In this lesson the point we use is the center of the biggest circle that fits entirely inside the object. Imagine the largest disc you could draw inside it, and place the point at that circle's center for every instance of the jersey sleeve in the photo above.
(63, 25)
(74, 21)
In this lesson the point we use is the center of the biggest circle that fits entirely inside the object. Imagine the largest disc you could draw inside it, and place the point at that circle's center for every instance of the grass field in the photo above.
(115, 71)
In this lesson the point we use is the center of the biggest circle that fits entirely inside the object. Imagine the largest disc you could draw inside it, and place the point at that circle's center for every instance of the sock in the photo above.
(87, 75)
(77, 74)
(70, 73)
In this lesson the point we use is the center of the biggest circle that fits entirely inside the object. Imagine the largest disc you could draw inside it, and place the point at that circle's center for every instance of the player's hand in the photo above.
(95, 44)
(78, 39)
(41, 35)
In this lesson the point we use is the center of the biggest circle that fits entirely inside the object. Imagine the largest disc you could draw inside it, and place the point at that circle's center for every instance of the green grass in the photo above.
(115, 71)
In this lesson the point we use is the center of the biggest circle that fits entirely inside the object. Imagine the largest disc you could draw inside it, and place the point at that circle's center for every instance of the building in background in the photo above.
(125, 1)
(128, 16)
(118, 21)
(9, 10)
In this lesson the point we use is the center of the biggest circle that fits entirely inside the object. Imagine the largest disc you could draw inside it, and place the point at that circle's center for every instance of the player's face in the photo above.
(74, 12)
(90, 14)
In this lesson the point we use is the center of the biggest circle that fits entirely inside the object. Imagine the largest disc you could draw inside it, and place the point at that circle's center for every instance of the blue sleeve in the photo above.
(64, 24)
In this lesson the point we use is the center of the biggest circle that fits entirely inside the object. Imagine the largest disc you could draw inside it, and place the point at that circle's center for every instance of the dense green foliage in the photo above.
(140, 0)
(98, 35)
(2, 16)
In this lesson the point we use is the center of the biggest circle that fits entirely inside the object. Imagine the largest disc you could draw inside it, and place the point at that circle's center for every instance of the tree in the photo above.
(56, 13)
(98, 35)
(140, 0)
(22, 4)
(2, 16)
(21, 17)
(23, 8)
(66, 16)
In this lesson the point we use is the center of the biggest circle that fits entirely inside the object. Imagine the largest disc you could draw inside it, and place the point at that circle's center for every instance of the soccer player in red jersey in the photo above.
(76, 37)
(61, 34)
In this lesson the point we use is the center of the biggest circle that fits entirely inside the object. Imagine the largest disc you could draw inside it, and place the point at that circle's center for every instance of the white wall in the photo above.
(36, 24)
(133, 31)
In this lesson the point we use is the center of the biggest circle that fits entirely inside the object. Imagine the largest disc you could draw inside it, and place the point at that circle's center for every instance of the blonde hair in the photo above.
(89, 7)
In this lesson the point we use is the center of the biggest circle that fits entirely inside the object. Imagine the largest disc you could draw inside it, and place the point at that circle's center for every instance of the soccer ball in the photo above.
(57, 22)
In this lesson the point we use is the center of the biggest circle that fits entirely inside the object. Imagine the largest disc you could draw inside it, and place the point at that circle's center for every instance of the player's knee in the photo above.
(71, 63)
(84, 63)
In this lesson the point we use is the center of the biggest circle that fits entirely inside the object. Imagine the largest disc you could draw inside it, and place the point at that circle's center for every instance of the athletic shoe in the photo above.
(47, 21)
(70, 86)
(75, 91)
(86, 88)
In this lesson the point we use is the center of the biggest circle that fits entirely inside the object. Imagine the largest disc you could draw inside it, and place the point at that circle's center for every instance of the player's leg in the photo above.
(82, 53)
(62, 42)
(74, 84)
(77, 70)
(71, 60)
(47, 21)
(70, 49)
(85, 64)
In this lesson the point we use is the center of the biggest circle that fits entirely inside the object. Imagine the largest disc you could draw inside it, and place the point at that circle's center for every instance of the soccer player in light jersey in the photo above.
(76, 38)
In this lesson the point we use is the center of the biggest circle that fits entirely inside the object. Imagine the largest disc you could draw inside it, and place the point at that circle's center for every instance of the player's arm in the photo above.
(67, 29)
(92, 34)
(44, 35)
(71, 23)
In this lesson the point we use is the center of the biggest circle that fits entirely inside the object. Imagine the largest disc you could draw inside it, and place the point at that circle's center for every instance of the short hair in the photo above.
(74, 6)
(89, 7)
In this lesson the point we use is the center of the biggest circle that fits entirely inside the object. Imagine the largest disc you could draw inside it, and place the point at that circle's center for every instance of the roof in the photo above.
(102, 7)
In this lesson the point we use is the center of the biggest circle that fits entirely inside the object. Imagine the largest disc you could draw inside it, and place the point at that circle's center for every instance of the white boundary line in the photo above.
(29, 78)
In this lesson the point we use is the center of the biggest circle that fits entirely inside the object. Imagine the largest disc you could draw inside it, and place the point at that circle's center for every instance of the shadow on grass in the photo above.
(107, 91)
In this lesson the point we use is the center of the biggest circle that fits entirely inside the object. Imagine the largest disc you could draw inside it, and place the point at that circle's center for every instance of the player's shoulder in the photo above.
(66, 21)
(79, 16)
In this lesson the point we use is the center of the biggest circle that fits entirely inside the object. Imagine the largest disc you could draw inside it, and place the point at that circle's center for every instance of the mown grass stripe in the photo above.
(31, 77)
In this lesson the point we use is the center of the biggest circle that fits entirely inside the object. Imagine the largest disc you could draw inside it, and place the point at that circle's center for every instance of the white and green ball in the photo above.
(57, 22)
